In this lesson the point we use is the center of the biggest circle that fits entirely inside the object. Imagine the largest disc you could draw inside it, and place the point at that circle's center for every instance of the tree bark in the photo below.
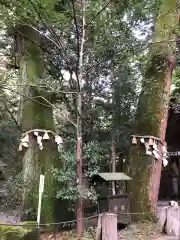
(79, 150)
(152, 114)
(36, 113)
(79, 177)
(113, 163)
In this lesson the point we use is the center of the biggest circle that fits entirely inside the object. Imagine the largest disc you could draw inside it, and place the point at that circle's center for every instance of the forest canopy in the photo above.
(77, 80)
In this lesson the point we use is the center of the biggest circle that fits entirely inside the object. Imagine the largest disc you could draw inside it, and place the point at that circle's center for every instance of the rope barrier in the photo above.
(73, 221)
(46, 224)
(145, 213)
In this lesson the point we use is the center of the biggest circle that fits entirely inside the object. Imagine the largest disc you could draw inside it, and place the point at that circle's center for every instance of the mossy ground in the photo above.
(18, 232)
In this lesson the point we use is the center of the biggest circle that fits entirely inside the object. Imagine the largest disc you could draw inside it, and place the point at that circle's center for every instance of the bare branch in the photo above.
(97, 14)
(56, 109)
(48, 26)
(40, 85)
(13, 118)
(46, 105)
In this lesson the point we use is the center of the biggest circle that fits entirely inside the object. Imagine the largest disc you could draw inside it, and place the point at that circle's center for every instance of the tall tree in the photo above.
(152, 112)
(73, 34)
(36, 113)
(79, 150)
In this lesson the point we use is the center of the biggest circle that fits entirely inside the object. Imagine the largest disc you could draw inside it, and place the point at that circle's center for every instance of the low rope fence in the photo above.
(86, 218)
(45, 232)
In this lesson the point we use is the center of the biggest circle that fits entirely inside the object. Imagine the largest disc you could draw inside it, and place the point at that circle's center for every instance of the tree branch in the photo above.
(40, 86)
(46, 105)
(78, 47)
(13, 118)
(97, 14)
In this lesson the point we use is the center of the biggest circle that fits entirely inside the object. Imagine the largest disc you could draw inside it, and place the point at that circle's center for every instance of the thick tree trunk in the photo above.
(36, 114)
(145, 170)
(151, 120)
(157, 165)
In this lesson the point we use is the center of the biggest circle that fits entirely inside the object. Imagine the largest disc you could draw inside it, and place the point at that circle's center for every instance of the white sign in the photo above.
(41, 184)
(41, 190)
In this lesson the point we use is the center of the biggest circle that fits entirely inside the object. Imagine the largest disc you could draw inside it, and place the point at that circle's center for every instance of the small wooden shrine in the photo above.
(107, 202)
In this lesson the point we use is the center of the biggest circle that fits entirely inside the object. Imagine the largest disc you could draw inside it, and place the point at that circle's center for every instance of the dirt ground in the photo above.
(144, 231)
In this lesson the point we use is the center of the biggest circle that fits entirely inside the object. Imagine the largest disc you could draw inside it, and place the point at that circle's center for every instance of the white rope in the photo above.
(73, 221)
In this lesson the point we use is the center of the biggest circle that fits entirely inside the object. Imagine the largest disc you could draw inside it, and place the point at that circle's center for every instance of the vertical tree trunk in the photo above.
(79, 150)
(36, 114)
(113, 163)
(157, 165)
(152, 113)
(79, 203)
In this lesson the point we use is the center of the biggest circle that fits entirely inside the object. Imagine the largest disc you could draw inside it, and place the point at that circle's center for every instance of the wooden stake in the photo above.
(109, 226)
(172, 227)
(151, 142)
(99, 228)
(134, 140)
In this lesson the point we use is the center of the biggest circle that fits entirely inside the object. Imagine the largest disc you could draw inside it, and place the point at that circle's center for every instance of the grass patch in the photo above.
(18, 232)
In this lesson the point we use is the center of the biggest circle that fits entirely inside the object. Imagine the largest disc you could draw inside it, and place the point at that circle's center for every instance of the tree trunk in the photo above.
(113, 163)
(79, 150)
(79, 174)
(36, 114)
(152, 114)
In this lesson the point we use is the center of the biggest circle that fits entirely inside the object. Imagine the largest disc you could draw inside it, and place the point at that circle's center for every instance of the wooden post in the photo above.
(109, 226)
(161, 217)
(99, 228)
(172, 227)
